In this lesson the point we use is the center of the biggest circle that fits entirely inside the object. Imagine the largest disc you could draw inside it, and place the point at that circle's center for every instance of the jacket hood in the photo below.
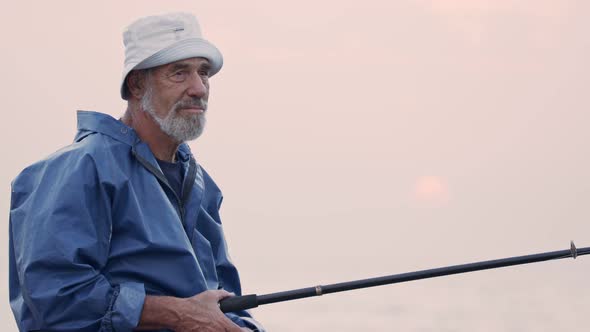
(90, 122)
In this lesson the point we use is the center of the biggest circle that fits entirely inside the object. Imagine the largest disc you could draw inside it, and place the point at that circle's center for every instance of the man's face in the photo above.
(176, 97)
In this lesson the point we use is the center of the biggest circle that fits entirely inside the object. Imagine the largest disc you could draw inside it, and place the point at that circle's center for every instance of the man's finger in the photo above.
(222, 294)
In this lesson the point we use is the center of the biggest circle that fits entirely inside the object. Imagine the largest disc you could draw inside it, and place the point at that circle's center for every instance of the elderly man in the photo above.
(120, 231)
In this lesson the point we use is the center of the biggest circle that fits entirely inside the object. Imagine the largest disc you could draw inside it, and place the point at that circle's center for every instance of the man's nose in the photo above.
(197, 86)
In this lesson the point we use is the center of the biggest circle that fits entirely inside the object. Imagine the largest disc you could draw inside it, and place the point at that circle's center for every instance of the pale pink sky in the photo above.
(355, 139)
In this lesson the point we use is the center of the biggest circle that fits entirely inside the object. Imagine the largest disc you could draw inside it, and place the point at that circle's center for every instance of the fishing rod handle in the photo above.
(237, 303)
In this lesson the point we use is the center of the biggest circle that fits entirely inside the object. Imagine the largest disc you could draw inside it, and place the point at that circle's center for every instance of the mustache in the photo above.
(192, 103)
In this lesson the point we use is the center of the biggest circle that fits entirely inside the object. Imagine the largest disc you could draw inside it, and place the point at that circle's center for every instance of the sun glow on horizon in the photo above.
(431, 190)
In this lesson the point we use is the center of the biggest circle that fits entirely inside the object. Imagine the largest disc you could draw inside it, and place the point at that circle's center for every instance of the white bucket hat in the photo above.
(158, 40)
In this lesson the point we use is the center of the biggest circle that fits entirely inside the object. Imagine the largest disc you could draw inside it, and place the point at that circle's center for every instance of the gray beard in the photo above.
(179, 128)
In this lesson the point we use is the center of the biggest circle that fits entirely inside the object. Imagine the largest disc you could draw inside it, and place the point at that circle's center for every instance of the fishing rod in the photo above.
(237, 303)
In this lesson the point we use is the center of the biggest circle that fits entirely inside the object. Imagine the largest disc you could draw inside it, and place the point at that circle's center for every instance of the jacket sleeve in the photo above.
(227, 273)
(229, 279)
(60, 223)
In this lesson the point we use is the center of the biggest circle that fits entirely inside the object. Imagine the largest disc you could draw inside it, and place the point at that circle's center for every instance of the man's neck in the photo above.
(161, 145)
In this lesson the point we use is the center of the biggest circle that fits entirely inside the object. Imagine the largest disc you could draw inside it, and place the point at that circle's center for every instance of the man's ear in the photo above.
(136, 83)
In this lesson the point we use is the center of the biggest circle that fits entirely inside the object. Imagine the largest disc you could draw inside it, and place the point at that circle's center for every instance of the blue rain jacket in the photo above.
(95, 227)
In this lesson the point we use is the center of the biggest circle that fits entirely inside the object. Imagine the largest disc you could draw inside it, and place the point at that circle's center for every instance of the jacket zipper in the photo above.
(187, 185)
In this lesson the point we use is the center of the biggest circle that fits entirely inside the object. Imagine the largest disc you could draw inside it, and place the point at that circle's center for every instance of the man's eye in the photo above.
(179, 76)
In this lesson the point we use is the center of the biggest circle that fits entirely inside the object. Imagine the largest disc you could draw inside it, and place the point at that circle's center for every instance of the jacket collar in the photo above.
(94, 122)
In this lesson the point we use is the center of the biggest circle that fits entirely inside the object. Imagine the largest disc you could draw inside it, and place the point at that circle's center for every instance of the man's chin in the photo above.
(192, 136)
(192, 116)
(186, 134)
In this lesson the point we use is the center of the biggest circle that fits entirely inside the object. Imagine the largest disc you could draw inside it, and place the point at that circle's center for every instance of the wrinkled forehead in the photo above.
(190, 63)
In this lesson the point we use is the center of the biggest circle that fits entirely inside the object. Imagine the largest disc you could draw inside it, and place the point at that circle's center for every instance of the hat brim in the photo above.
(183, 49)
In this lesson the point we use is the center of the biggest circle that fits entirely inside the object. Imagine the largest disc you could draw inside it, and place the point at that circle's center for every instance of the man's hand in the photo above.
(198, 313)
(201, 313)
